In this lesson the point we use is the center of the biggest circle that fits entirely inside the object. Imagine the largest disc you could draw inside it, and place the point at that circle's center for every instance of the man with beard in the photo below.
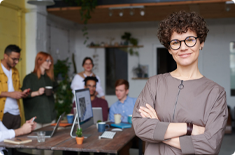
(90, 82)
(10, 92)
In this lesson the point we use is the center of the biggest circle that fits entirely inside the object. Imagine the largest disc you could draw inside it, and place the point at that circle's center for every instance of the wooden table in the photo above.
(62, 141)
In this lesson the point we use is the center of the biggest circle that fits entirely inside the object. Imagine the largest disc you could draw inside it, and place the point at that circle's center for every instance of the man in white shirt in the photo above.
(10, 133)
(10, 92)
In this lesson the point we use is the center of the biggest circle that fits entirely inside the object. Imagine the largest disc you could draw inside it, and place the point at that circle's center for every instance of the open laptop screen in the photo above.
(83, 104)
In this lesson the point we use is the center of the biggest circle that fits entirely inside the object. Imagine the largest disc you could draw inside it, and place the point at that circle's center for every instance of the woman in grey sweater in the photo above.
(181, 112)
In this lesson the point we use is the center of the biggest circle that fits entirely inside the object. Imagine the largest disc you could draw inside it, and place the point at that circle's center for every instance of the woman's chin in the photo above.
(88, 70)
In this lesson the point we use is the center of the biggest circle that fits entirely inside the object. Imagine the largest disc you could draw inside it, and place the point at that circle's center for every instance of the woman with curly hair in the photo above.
(181, 112)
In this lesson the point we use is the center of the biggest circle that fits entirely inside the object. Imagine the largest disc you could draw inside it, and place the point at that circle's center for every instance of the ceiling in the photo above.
(154, 11)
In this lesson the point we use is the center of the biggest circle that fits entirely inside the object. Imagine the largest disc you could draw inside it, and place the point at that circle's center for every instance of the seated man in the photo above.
(90, 82)
(10, 133)
(125, 104)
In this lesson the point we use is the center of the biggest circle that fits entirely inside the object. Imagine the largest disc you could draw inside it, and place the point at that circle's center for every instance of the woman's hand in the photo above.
(148, 112)
(198, 130)
(41, 91)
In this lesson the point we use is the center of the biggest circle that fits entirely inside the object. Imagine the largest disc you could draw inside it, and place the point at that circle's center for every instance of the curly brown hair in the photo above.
(180, 22)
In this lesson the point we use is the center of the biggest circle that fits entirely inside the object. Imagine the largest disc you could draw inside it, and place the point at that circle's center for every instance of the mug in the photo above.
(118, 118)
(130, 119)
(101, 126)
(48, 90)
(70, 118)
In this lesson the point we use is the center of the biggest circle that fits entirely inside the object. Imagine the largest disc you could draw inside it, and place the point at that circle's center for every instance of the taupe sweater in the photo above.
(200, 101)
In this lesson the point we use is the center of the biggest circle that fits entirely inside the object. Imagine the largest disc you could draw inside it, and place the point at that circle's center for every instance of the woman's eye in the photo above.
(190, 40)
(174, 42)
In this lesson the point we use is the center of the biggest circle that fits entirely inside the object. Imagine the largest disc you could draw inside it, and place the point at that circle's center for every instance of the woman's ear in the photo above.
(201, 45)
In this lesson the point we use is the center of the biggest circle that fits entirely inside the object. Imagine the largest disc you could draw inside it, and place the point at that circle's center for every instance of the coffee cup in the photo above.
(48, 90)
(70, 118)
(102, 126)
(117, 118)
(130, 119)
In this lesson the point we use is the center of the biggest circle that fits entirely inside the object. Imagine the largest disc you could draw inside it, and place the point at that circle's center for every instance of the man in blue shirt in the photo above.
(125, 104)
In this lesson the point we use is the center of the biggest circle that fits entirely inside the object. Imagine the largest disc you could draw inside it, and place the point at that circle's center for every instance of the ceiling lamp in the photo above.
(142, 13)
(41, 2)
(121, 13)
(110, 13)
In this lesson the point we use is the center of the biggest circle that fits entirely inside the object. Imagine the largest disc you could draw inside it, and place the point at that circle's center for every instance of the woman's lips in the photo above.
(185, 55)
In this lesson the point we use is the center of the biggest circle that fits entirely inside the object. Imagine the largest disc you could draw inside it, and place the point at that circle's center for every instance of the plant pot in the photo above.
(79, 140)
(140, 75)
(126, 43)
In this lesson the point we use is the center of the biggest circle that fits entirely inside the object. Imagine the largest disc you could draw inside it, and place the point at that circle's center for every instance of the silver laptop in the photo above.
(97, 114)
(48, 134)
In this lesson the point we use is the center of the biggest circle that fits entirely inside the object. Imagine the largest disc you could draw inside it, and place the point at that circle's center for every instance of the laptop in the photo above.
(48, 134)
(97, 114)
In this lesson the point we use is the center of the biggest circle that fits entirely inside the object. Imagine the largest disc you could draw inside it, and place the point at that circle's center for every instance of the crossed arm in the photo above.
(174, 130)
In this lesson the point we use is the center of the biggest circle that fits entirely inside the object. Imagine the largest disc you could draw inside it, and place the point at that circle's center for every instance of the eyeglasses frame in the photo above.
(184, 42)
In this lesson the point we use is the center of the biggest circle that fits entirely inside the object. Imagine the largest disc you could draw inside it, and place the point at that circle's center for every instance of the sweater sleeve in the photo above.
(150, 130)
(210, 141)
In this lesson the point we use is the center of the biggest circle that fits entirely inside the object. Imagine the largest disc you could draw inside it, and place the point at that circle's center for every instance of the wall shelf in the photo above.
(120, 46)
(139, 78)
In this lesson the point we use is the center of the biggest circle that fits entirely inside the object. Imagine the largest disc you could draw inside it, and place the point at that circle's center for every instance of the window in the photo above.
(116, 62)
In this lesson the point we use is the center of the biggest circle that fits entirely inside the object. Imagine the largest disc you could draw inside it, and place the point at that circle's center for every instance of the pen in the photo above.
(18, 139)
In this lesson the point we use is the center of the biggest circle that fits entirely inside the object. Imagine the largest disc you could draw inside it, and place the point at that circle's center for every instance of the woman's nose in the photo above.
(183, 46)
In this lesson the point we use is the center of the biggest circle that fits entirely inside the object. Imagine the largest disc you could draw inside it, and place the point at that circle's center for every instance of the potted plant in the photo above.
(128, 39)
(63, 94)
(138, 71)
(79, 138)
(97, 123)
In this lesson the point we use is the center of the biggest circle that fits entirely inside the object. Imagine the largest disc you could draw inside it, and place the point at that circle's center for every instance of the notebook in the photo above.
(121, 125)
(18, 140)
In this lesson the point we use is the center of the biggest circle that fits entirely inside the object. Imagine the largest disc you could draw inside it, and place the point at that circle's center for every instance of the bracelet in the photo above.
(189, 128)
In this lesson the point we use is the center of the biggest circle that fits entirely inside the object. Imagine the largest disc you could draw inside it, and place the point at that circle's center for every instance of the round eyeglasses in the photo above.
(190, 41)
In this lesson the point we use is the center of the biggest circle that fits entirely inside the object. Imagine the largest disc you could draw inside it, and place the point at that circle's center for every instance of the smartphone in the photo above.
(33, 119)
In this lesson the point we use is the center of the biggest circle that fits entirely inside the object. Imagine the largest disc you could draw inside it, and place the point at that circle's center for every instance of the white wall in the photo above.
(61, 38)
(31, 35)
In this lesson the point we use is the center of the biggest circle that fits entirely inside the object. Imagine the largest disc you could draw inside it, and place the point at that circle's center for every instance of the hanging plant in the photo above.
(128, 39)
(87, 6)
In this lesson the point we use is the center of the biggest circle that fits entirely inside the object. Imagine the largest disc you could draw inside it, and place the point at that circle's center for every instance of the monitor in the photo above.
(84, 107)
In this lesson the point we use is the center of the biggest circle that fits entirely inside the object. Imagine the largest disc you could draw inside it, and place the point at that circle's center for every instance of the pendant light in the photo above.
(41, 2)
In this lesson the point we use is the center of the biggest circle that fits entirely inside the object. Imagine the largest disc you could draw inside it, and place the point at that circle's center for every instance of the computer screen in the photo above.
(83, 104)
